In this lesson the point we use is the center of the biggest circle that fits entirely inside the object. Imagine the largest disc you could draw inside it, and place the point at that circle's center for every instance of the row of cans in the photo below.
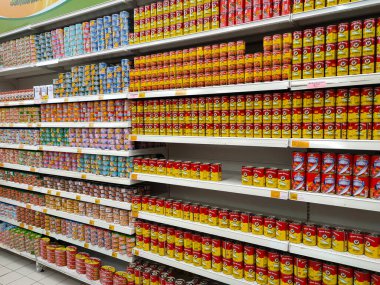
(21, 177)
(341, 174)
(23, 157)
(102, 238)
(266, 177)
(177, 168)
(92, 79)
(18, 52)
(20, 115)
(323, 236)
(100, 212)
(309, 5)
(111, 139)
(20, 136)
(97, 111)
(16, 95)
(242, 261)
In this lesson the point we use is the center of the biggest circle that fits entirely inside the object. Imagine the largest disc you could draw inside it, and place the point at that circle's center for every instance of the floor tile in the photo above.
(18, 264)
(37, 276)
(23, 281)
(10, 277)
(27, 269)
(54, 278)
(4, 270)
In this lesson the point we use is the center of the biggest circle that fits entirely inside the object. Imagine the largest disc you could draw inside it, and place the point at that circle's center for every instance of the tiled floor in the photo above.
(18, 270)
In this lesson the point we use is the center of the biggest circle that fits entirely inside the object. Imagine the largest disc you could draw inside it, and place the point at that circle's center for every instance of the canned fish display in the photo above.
(343, 113)
(238, 260)
(177, 168)
(309, 5)
(20, 115)
(266, 177)
(23, 157)
(98, 111)
(167, 19)
(92, 79)
(103, 33)
(16, 95)
(20, 136)
(342, 174)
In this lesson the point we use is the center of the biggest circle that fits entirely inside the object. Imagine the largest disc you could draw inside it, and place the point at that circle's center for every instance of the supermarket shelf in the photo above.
(127, 153)
(71, 174)
(336, 81)
(346, 258)
(18, 103)
(22, 253)
(231, 183)
(226, 233)
(69, 272)
(73, 217)
(84, 124)
(69, 195)
(213, 90)
(279, 143)
(227, 279)
(336, 13)
(335, 144)
(18, 146)
(99, 97)
(18, 125)
(336, 200)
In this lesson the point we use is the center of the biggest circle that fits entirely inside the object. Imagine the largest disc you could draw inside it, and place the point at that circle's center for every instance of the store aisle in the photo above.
(17, 270)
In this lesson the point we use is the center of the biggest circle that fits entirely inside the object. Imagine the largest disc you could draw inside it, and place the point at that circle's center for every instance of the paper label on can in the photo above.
(316, 84)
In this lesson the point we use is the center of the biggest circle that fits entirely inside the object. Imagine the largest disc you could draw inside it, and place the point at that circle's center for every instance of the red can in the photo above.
(344, 164)
(329, 273)
(344, 185)
(274, 261)
(300, 267)
(313, 162)
(299, 180)
(361, 165)
(286, 264)
(328, 163)
(328, 183)
(375, 166)
(360, 186)
(313, 182)
(299, 161)
(362, 276)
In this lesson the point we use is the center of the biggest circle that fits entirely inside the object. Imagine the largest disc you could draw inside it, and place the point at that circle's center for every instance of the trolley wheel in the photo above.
(39, 267)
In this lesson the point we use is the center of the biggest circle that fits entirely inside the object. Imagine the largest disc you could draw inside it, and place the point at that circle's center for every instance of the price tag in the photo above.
(133, 95)
(136, 252)
(300, 144)
(180, 93)
(316, 84)
(101, 97)
(275, 194)
(91, 125)
(49, 192)
(47, 234)
(11, 125)
(97, 201)
(293, 196)
(92, 222)
(141, 95)
(33, 169)
(83, 176)
(134, 176)
(30, 187)
(21, 146)
(58, 193)
(79, 150)
(133, 138)
(114, 254)
(111, 227)
(1, 164)
(66, 100)
(77, 197)
(40, 148)
(38, 125)
(86, 245)
(29, 125)
(135, 214)
(28, 206)
(6, 104)
(30, 228)
(22, 225)
(44, 211)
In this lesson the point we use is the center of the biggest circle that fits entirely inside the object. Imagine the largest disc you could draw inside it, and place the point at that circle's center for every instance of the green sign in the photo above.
(15, 14)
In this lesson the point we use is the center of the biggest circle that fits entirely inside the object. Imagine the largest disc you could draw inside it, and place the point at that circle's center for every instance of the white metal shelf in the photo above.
(231, 183)
(213, 90)
(19, 103)
(22, 253)
(226, 233)
(227, 279)
(73, 217)
(232, 141)
(345, 258)
(68, 240)
(19, 125)
(335, 144)
(18, 146)
(100, 97)
(71, 174)
(335, 200)
(126, 124)
(335, 81)
(68, 195)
